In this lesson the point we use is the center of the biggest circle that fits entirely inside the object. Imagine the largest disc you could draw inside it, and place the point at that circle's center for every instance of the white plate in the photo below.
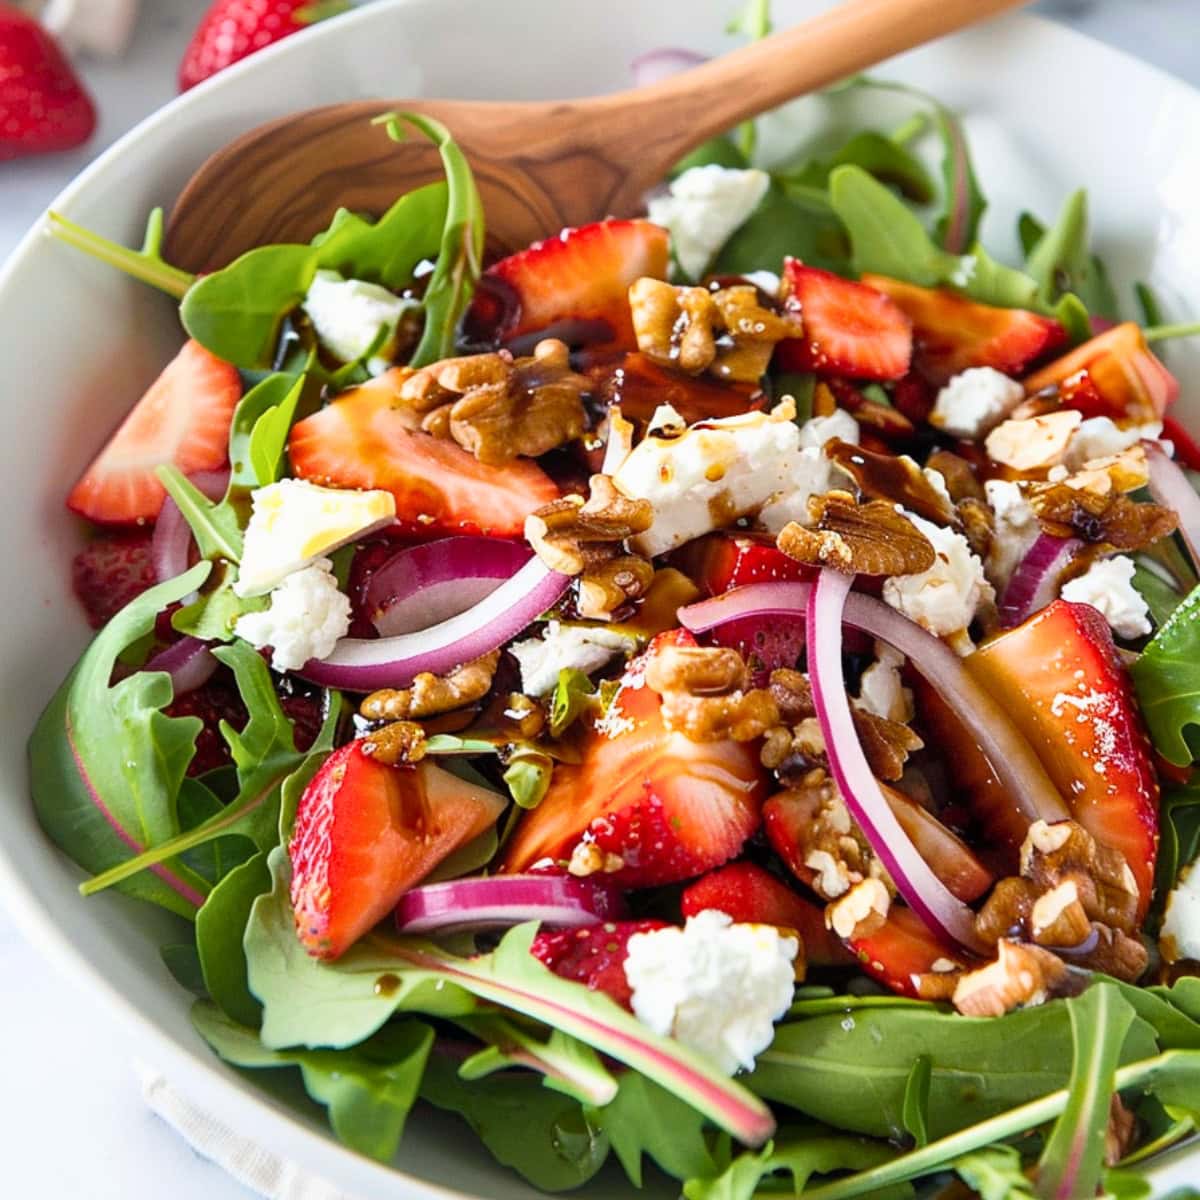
(1047, 109)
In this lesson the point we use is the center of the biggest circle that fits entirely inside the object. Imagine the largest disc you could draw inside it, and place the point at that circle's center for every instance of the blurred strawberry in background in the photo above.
(43, 106)
(233, 29)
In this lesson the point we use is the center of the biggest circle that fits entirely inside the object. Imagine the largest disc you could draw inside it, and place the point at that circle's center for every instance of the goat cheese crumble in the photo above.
(1016, 529)
(881, 691)
(975, 401)
(1100, 437)
(294, 522)
(306, 618)
(350, 316)
(715, 986)
(564, 647)
(1035, 442)
(1108, 587)
(703, 208)
(816, 431)
(945, 598)
(1180, 934)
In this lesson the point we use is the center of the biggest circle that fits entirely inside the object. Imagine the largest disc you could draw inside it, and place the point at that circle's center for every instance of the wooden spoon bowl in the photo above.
(540, 166)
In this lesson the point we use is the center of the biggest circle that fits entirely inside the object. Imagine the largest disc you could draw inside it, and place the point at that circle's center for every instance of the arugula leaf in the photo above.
(963, 202)
(1073, 1158)
(1179, 837)
(573, 696)
(544, 1136)
(996, 1173)
(883, 157)
(213, 615)
(1161, 598)
(1061, 261)
(828, 1066)
(214, 860)
(215, 527)
(784, 224)
(369, 1090)
(527, 776)
(914, 1108)
(107, 764)
(460, 255)
(1166, 678)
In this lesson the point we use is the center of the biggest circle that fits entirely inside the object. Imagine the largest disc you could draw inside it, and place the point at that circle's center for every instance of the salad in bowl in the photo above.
(713, 688)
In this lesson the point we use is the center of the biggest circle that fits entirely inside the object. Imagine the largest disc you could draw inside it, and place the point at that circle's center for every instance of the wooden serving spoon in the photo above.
(539, 166)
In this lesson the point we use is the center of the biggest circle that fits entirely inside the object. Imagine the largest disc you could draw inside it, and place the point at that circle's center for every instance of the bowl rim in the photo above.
(280, 1129)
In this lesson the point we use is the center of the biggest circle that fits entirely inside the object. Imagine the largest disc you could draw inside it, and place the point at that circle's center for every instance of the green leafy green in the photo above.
(1072, 1160)
(214, 614)
(914, 1110)
(719, 151)
(1166, 677)
(181, 959)
(527, 776)
(1061, 261)
(216, 527)
(369, 1089)
(879, 155)
(573, 696)
(996, 1173)
(963, 203)
(785, 222)
(214, 860)
(1161, 598)
(107, 764)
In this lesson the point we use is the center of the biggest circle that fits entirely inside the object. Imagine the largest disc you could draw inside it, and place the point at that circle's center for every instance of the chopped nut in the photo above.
(706, 694)
(886, 744)
(1057, 917)
(1035, 443)
(588, 859)
(961, 481)
(1108, 518)
(429, 694)
(608, 586)
(894, 478)
(1115, 953)
(937, 985)
(978, 525)
(497, 407)
(395, 743)
(1007, 910)
(871, 538)
(523, 715)
(1124, 472)
(570, 535)
(727, 332)
(861, 912)
(1021, 975)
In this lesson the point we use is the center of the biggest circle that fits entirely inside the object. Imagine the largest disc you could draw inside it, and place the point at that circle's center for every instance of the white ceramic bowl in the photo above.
(1047, 109)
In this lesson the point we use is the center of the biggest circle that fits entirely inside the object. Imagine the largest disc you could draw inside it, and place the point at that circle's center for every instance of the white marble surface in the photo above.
(70, 1106)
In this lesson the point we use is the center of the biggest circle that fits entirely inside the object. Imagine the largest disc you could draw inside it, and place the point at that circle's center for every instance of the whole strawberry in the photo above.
(43, 106)
(233, 29)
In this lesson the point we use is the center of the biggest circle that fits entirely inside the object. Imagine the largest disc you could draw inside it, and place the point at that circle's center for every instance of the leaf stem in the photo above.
(146, 264)
(1163, 333)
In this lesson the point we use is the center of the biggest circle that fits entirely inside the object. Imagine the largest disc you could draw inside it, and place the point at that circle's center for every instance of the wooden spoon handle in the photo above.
(715, 96)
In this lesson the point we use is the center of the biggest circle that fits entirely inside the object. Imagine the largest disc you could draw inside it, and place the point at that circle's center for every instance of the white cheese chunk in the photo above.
(1180, 934)
(1108, 587)
(974, 401)
(562, 647)
(1100, 437)
(1016, 529)
(350, 315)
(881, 690)
(307, 617)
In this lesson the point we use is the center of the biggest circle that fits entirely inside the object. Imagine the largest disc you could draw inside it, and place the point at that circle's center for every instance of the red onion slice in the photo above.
(1171, 488)
(925, 893)
(561, 901)
(657, 65)
(1035, 582)
(362, 665)
(427, 584)
(171, 543)
(1011, 756)
(188, 661)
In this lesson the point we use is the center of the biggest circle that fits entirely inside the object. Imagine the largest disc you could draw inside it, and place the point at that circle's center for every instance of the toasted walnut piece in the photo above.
(588, 859)
(430, 694)
(1110, 519)
(1006, 912)
(700, 670)
(1124, 472)
(869, 539)
(395, 743)
(608, 586)
(978, 525)
(1035, 443)
(751, 334)
(895, 478)
(1021, 975)
(1121, 1132)
(437, 422)
(938, 985)
(961, 481)
(571, 534)
(886, 744)
(523, 715)
(1057, 917)
(792, 694)
(706, 695)
(1114, 953)
(861, 912)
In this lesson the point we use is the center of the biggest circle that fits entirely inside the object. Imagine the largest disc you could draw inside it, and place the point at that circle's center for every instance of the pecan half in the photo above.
(607, 586)
(570, 535)
(1110, 519)
(430, 694)
(961, 481)
(978, 525)
(395, 743)
(868, 539)
(1020, 975)
(893, 477)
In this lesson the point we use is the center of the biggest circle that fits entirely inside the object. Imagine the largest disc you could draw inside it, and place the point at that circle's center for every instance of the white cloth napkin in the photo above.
(249, 1163)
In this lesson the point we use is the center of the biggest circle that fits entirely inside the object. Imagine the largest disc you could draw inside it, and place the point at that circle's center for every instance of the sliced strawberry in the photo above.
(582, 275)
(953, 333)
(110, 571)
(903, 950)
(849, 329)
(363, 440)
(183, 420)
(668, 807)
(754, 896)
(1124, 377)
(638, 386)
(365, 833)
(788, 816)
(720, 561)
(1060, 678)
(594, 956)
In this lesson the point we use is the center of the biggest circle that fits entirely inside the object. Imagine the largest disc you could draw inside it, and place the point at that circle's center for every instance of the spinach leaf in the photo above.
(883, 157)
(181, 959)
(719, 151)
(527, 777)
(852, 1071)
(914, 1110)
(784, 224)
(261, 424)
(996, 1173)
(1072, 1160)
(107, 764)
(214, 860)
(963, 203)
(1166, 678)
(543, 1135)
(1179, 836)
(369, 1090)
(236, 312)
(1161, 598)
(1061, 261)
(802, 1155)
(460, 254)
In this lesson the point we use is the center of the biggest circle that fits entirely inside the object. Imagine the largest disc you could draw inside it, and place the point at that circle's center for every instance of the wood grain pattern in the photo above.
(539, 166)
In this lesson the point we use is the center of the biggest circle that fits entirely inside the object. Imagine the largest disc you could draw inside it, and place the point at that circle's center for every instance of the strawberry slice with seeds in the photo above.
(594, 956)
(182, 420)
(718, 562)
(849, 329)
(363, 440)
(365, 833)
(902, 950)
(1061, 679)
(751, 895)
(582, 276)
(110, 571)
(953, 333)
(645, 805)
